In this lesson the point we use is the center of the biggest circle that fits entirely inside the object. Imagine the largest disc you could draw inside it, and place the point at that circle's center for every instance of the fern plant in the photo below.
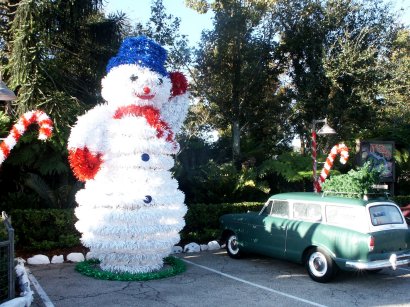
(4, 124)
(60, 197)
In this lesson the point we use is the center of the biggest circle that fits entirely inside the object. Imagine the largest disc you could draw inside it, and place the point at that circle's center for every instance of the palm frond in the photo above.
(37, 184)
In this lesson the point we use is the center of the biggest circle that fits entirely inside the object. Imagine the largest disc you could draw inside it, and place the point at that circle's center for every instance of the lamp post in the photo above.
(326, 129)
(6, 94)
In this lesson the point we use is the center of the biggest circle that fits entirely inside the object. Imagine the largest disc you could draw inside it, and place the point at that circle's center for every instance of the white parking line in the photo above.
(256, 285)
(43, 295)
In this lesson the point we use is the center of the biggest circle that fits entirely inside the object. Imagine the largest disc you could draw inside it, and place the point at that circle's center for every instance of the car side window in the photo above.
(349, 217)
(280, 208)
(267, 208)
(307, 211)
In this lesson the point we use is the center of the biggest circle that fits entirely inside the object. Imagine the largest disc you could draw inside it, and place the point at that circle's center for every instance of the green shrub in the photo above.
(3, 232)
(202, 220)
(54, 228)
(44, 229)
(402, 200)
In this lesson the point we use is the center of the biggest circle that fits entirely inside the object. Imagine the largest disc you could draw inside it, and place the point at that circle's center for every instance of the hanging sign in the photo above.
(380, 155)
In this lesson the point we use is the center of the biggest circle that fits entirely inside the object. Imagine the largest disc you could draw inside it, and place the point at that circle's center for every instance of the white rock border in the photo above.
(78, 257)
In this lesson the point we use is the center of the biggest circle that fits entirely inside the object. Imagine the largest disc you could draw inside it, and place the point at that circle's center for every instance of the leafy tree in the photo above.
(165, 29)
(402, 159)
(397, 87)
(54, 54)
(237, 78)
(395, 92)
(334, 51)
(301, 50)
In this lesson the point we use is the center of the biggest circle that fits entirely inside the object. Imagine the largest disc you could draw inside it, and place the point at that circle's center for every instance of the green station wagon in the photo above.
(325, 233)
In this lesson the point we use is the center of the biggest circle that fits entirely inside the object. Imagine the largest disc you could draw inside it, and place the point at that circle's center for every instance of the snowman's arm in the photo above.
(85, 152)
(85, 164)
(175, 110)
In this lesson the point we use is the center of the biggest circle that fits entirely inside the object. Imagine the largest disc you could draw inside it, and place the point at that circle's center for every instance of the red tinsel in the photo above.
(84, 163)
(152, 116)
(179, 83)
(45, 130)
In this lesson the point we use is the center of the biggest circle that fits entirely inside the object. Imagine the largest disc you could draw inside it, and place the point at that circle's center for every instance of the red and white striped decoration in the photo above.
(339, 149)
(28, 118)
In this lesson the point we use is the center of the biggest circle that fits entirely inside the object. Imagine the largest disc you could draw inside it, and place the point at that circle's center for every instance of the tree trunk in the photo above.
(8, 109)
(236, 90)
(236, 144)
(302, 145)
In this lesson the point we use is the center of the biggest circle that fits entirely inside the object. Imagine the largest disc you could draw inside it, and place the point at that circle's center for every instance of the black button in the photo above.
(145, 157)
(147, 199)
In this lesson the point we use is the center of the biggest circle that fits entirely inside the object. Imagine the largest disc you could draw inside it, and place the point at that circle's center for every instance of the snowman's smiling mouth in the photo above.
(145, 97)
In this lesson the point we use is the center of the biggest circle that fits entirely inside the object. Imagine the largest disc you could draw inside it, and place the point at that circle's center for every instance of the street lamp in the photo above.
(325, 130)
(6, 95)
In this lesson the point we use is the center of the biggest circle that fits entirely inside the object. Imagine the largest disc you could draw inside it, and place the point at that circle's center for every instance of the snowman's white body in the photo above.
(130, 214)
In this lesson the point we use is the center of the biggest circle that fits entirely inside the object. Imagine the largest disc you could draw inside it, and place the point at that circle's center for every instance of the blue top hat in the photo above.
(141, 51)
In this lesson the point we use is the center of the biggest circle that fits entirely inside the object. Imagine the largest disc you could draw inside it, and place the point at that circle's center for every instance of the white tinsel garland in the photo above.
(131, 210)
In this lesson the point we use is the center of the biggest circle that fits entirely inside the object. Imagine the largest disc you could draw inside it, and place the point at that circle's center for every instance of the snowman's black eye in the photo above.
(160, 81)
(133, 78)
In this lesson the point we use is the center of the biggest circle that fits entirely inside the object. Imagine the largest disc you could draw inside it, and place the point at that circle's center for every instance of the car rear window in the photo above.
(384, 215)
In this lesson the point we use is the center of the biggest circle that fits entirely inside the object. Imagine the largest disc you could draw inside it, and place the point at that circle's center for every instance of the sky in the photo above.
(193, 23)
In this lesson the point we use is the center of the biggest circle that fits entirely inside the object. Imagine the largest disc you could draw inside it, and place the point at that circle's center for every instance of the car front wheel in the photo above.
(319, 265)
(232, 246)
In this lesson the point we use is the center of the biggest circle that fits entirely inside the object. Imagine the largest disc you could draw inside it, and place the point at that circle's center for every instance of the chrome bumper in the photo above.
(392, 262)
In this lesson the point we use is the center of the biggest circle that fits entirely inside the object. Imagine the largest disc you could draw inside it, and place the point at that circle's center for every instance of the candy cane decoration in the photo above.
(28, 118)
(340, 149)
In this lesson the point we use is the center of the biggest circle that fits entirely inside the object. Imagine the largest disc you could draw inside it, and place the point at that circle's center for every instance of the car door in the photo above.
(301, 229)
(270, 230)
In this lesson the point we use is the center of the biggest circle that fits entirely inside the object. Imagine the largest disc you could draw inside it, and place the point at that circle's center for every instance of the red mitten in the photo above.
(85, 164)
(179, 83)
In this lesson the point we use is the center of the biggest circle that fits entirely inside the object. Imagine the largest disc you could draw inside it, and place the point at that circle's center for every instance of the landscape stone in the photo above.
(213, 245)
(204, 247)
(177, 249)
(38, 259)
(75, 257)
(192, 248)
(57, 259)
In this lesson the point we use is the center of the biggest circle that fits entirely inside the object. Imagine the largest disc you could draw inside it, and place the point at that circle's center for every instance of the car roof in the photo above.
(319, 197)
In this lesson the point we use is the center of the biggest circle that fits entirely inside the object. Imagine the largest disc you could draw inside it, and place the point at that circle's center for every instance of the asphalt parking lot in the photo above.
(214, 279)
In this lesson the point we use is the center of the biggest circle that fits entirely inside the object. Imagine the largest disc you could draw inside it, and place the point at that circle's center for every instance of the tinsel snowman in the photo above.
(131, 211)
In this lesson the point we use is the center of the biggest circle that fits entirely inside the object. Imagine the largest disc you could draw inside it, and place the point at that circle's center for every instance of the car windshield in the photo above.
(385, 214)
